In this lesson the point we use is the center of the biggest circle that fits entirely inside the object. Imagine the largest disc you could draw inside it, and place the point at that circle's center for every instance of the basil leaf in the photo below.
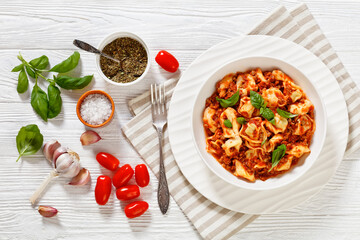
(267, 114)
(227, 123)
(231, 101)
(263, 142)
(241, 120)
(67, 65)
(277, 154)
(257, 100)
(30, 72)
(39, 102)
(23, 82)
(285, 114)
(18, 68)
(29, 140)
(73, 83)
(55, 101)
(40, 62)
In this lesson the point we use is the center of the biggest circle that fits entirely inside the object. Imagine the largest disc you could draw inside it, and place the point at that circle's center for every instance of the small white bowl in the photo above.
(111, 38)
(266, 64)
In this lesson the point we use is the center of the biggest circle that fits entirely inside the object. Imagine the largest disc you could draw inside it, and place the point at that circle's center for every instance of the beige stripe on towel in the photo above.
(211, 220)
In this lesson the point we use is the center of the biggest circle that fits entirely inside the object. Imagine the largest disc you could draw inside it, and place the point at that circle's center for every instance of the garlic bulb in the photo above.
(65, 162)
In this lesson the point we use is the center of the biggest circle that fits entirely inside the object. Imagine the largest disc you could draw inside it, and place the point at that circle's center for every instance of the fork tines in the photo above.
(158, 98)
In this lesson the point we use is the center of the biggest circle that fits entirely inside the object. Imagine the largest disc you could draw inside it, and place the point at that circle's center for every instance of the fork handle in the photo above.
(163, 189)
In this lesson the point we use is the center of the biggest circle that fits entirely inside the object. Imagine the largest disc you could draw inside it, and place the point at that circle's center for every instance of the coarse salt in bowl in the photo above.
(95, 108)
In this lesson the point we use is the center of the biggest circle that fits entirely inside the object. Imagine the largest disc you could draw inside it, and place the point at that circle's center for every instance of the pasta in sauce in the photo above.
(246, 149)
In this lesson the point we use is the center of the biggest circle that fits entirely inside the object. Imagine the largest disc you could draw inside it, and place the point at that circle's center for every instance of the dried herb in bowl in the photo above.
(132, 55)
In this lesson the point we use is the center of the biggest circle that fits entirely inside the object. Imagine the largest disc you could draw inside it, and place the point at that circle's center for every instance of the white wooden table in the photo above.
(185, 28)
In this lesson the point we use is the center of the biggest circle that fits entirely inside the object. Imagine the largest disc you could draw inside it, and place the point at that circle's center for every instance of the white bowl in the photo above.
(266, 64)
(111, 38)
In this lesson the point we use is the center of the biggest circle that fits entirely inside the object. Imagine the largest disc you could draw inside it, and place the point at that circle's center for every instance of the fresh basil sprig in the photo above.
(285, 114)
(227, 123)
(29, 140)
(241, 120)
(277, 154)
(231, 101)
(263, 142)
(48, 105)
(258, 102)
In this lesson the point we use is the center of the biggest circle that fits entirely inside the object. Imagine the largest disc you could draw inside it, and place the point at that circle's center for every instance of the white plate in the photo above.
(265, 64)
(237, 198)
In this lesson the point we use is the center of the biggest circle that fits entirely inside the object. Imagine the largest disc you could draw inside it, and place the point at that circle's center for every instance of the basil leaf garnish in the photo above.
(277, 154)
(263, 142)
(39, 102)
(227, 123)
(267, 114)
(257, 100)
(68, 64)
(55, 101)
(67, 82)
(29, 140)
(23, 82)
(285, 114)
(231, 101)
(241, 120)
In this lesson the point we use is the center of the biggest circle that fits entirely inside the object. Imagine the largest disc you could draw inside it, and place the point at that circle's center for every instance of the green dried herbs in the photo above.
(132, 55)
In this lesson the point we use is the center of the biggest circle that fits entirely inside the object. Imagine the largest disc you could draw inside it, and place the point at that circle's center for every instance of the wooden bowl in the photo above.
(81, 99)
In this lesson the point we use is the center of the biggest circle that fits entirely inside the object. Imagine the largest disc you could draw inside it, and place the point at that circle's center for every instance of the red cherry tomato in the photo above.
(142, 175)
(122, 176)
(107, 160)
(102, 189)
(128, 192)
(136, 209)
(167, 61)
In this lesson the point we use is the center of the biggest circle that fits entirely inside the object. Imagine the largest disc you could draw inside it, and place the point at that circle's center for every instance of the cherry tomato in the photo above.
(122, 176)
(107, 160)
(102, 189)
(167, 61)
(136, 209)
(128, 192)
(142, 175)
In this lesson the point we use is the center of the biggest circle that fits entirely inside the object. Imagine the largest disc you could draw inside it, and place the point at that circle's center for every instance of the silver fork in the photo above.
(158, 112)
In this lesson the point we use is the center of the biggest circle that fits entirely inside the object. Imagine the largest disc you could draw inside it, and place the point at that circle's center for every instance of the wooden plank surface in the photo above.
(185, 28)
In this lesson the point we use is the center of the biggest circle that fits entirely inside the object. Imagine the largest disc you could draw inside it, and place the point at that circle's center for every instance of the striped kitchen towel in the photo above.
(211, 220)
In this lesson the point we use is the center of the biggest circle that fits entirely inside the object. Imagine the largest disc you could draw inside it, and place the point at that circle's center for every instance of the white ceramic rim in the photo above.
(243, 200)
(238, 182)
(111, 38)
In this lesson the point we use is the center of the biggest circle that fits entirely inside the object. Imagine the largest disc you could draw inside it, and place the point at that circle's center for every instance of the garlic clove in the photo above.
(64, 162)
(82, 178)
(47, 211)
(89, 137)
(73, 170)
(57, 153)
(49, 148)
